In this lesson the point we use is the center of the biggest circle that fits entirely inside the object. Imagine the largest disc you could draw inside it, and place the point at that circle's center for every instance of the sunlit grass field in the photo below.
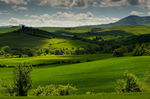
(49, 59)
(98, 96)
(98, 76)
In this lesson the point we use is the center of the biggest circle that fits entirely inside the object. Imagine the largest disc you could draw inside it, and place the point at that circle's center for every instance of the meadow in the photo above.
(98, 76)
(96, 72)
(52, 59)
(6, 30)
(98, 96)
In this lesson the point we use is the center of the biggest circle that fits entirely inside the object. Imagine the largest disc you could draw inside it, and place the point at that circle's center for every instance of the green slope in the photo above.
(22, 40)
(98, 76)
(134, 29)
(5, 30)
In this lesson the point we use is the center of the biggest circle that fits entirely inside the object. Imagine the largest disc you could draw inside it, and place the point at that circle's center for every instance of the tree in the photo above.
(129, 83)
(120, 51)
(141, 50)
(5, 50)
(22, 80)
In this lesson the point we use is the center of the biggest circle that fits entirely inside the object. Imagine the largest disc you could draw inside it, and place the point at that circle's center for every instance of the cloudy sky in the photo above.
(67, 13)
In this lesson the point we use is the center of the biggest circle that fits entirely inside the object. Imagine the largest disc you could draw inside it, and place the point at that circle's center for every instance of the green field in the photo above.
(5, 30)
(98, 96)
(21, 40)
(49, 59)
(134, 29)
(97, 76)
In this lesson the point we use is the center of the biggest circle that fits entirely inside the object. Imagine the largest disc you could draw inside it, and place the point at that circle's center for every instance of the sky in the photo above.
(69, 13)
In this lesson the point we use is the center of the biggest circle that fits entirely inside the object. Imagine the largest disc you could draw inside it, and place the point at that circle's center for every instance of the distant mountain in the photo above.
(130, 20)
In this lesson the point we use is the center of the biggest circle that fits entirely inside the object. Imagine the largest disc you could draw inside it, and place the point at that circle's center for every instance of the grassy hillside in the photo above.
(68, 43)
(41, 60)
(106, 33)
(97, 76)
(135, 29)
(22, 40)
(5, 30)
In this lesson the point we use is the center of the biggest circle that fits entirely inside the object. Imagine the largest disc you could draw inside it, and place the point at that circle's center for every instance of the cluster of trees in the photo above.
(142, 49)
(35, 32)
(66, 51)
(6, 51)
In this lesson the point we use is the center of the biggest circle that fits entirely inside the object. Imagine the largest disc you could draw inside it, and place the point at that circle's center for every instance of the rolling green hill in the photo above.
(107, 33)
(39, 40)
(5, 30)
(51, 59)
(134, 29)
(97, 76)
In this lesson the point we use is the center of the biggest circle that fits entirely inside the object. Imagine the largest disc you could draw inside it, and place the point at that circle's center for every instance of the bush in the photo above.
(120, 51)
(129, 83)
(54, 90)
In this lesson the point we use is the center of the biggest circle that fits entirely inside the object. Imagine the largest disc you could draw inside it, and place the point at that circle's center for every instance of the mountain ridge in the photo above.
(129, 20)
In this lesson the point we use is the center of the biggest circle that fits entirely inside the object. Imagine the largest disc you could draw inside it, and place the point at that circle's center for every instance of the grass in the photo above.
(5, 30)
(52, 59)
(98, 96)
(68, 43)
(134, 29)
(21, 40)
(97, 76)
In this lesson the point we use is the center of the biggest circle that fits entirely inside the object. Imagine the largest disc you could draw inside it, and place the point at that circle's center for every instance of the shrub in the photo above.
(54, 90)
(129, 83)
(120, 51)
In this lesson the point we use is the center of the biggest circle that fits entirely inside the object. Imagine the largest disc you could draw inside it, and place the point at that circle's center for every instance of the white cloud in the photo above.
(136, 13)
(148, 13)
(17, 2)
(73, 16)
(111, 3)
(64, 20)
(56, 3)
(19, 8)
(82, 3)
(119, 3)
(95, 3)
(16, 21)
